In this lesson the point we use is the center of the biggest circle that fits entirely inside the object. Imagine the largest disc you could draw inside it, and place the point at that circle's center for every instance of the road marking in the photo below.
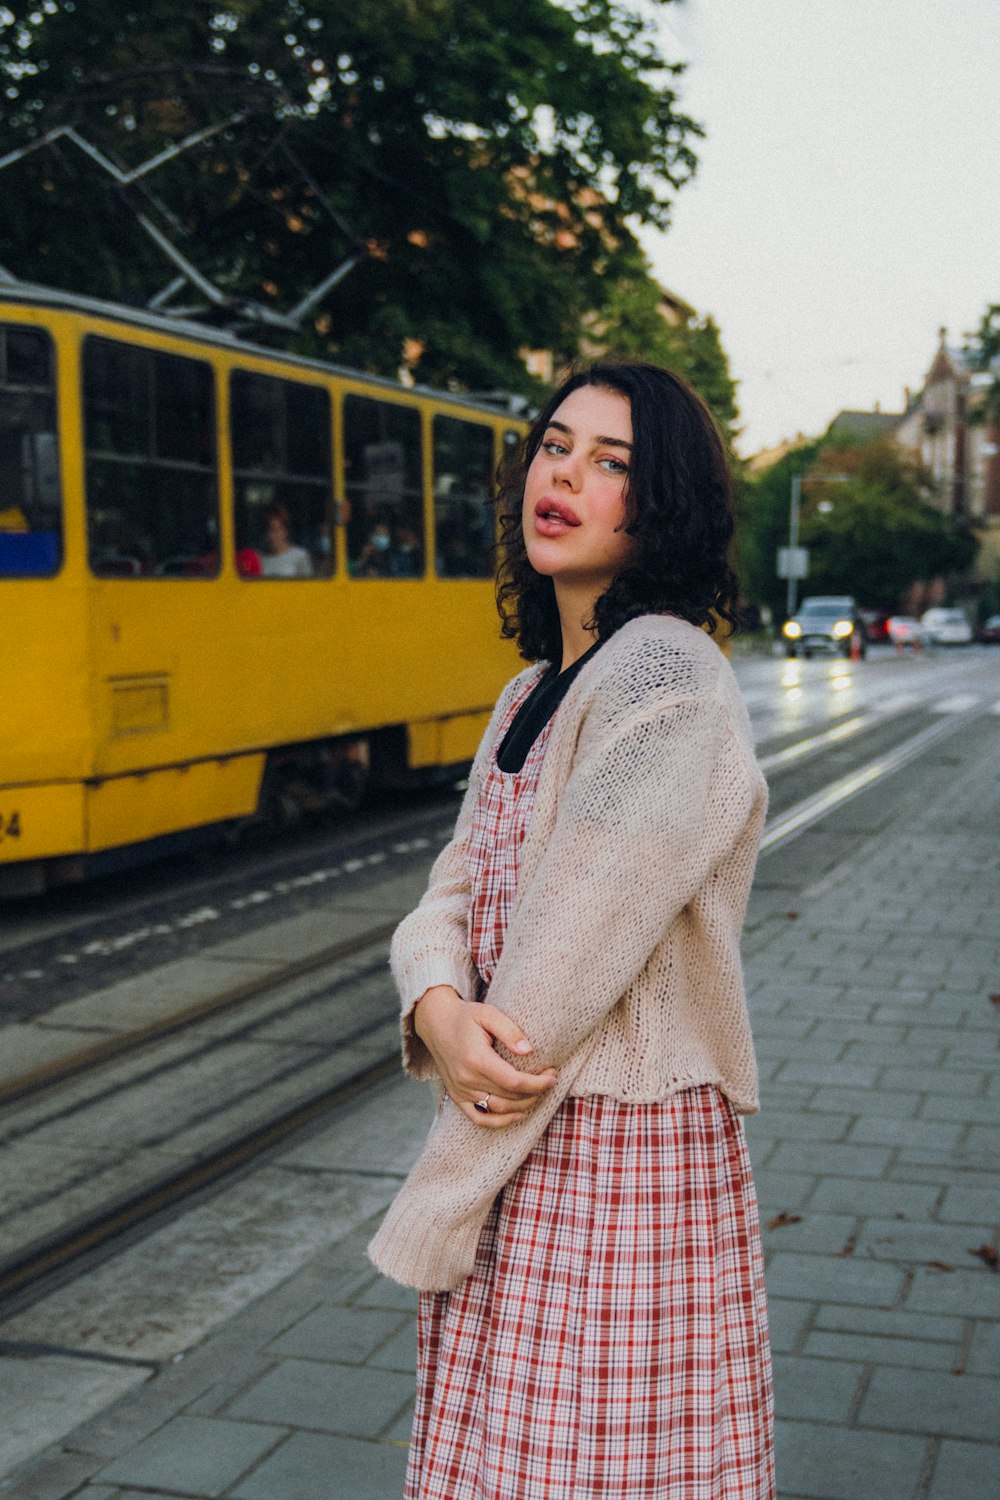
(959, 704)
(814, 742)
(788, 825)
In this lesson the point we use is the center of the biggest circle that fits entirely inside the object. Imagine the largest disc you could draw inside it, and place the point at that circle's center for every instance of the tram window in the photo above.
(384, 488)
(282, 477)
(152, 489)
(463, 490)
(30, 503)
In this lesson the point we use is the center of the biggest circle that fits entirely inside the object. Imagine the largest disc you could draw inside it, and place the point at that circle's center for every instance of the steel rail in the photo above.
(34, 1270)
(86, 1059)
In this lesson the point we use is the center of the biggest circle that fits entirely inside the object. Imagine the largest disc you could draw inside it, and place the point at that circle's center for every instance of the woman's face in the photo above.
(574, 496)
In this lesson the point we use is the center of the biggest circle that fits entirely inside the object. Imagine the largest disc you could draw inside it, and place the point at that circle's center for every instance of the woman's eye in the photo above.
(553, 445)
(615, 465)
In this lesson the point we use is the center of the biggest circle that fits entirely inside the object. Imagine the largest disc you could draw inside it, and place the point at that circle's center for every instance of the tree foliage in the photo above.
(488, 160)
(868, 521)
(982, 350)
(636, 324)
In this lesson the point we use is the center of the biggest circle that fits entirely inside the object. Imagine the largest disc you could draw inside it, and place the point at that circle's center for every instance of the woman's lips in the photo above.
(553, 518)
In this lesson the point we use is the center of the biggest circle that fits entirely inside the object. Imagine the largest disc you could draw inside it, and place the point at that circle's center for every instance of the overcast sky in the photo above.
(847, 202)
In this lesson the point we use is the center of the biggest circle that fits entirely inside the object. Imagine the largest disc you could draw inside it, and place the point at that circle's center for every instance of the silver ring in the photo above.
(483, 1105)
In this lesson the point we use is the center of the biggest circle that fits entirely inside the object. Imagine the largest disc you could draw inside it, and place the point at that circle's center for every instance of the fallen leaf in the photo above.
(995, 1000)
(958, 1370)
(940, 1265)
(849, 1246)
(780, 1220)
(989, 1255)
(792, 916)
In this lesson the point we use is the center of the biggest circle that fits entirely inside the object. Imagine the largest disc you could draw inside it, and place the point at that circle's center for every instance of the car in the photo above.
(946, 627)
(989, 631)
(825, 622)
(905, 631)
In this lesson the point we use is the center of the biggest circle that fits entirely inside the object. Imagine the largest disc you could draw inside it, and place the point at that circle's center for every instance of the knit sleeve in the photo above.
(431, 945)
(644, 819)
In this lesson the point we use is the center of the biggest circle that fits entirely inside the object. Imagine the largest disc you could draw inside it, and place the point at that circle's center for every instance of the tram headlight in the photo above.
(791, 629)
(842, 629)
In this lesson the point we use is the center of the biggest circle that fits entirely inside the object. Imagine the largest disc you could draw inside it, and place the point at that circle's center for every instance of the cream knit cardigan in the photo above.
(621, 960)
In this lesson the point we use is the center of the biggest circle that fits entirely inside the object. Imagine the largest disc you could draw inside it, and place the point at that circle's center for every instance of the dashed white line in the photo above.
(958, 704)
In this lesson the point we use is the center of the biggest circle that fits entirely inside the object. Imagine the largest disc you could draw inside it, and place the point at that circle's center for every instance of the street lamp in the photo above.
(793, 560)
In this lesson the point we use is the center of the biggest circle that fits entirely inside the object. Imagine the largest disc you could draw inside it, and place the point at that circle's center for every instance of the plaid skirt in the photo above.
(611, 1342)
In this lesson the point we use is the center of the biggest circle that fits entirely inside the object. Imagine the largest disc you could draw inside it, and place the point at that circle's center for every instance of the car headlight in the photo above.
(792, 629)
(842, 628)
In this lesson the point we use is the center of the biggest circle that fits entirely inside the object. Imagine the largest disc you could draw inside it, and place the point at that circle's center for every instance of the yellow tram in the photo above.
(231, 581)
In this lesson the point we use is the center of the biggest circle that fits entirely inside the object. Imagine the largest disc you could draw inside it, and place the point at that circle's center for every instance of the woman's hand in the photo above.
(459, 1035)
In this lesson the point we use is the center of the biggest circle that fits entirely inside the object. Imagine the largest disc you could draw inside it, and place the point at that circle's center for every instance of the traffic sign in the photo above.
(793, 562)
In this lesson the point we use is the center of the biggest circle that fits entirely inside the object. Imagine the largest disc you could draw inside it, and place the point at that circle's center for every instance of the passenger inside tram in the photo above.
(281, 557)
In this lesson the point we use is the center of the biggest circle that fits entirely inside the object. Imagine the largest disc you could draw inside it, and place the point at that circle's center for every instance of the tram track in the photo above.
(72, 1244)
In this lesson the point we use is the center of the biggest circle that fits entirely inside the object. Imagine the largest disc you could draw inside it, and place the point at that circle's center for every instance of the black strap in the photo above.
(536, 711)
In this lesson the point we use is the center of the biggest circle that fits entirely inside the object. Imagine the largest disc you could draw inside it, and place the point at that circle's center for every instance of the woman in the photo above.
(582, 1221)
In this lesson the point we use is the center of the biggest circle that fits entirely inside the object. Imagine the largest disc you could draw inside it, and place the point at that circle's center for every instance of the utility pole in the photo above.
(793, 542)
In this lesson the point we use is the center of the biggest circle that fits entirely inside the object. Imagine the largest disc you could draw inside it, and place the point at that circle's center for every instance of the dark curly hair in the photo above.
(678, 504)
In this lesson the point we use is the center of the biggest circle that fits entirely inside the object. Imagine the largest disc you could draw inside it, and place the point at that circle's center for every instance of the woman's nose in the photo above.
(566, 470)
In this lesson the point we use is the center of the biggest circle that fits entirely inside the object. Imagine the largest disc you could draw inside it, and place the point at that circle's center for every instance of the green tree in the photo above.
(487, 161)
(867, 519)
(982, 349)
(637, 323)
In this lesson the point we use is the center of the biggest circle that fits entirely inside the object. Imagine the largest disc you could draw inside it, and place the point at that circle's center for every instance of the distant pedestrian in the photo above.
(582, 1222)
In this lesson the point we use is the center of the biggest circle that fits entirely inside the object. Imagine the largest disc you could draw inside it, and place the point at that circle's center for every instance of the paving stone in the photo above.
(882, 1351)
(788, 1190)
(970, 1293)
(193, 1455)
(857, 1101)
(799, 1125)
(51, 1477)
(46, 1397)
(329, 1398)
(939, 1136)
(967, 1111)
(966, 1471)
(837, 1463)
(820, 1390)
(899, 1239)
(384, 1293)
(828, 1279)
(858, 1075)
(786, 1318)
(955, 1082)
(401, 1429)
(890, 1321)
(344, 1335)
(984, 1353)
(400, 1353)
(823, 1157)
(926, 1402)
(863, 1196)
(314, 1467)
(984, 1141)
(821, 1233)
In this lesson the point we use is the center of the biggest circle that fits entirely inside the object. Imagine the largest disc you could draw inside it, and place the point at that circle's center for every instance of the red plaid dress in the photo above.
(611, 1342)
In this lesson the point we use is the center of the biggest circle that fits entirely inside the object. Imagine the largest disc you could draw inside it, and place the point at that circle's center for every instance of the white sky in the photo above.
(847, 202)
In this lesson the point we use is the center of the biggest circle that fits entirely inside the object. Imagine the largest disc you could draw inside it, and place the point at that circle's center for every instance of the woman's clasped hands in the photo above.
(459, 1034)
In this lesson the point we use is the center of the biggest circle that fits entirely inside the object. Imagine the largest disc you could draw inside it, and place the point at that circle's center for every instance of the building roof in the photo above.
(864, 424)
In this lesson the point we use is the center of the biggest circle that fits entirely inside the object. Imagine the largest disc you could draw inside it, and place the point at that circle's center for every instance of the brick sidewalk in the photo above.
(877, 1155)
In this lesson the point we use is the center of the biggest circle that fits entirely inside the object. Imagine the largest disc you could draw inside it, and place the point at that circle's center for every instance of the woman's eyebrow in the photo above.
(608, 441)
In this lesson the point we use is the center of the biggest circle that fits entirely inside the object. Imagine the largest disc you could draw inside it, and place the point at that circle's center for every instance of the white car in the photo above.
(946, 627)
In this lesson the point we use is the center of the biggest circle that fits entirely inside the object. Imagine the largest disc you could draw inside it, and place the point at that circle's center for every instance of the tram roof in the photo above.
(35, 295)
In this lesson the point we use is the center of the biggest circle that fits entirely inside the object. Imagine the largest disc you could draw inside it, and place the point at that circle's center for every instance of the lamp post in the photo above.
(793, 542)
(795, 558)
